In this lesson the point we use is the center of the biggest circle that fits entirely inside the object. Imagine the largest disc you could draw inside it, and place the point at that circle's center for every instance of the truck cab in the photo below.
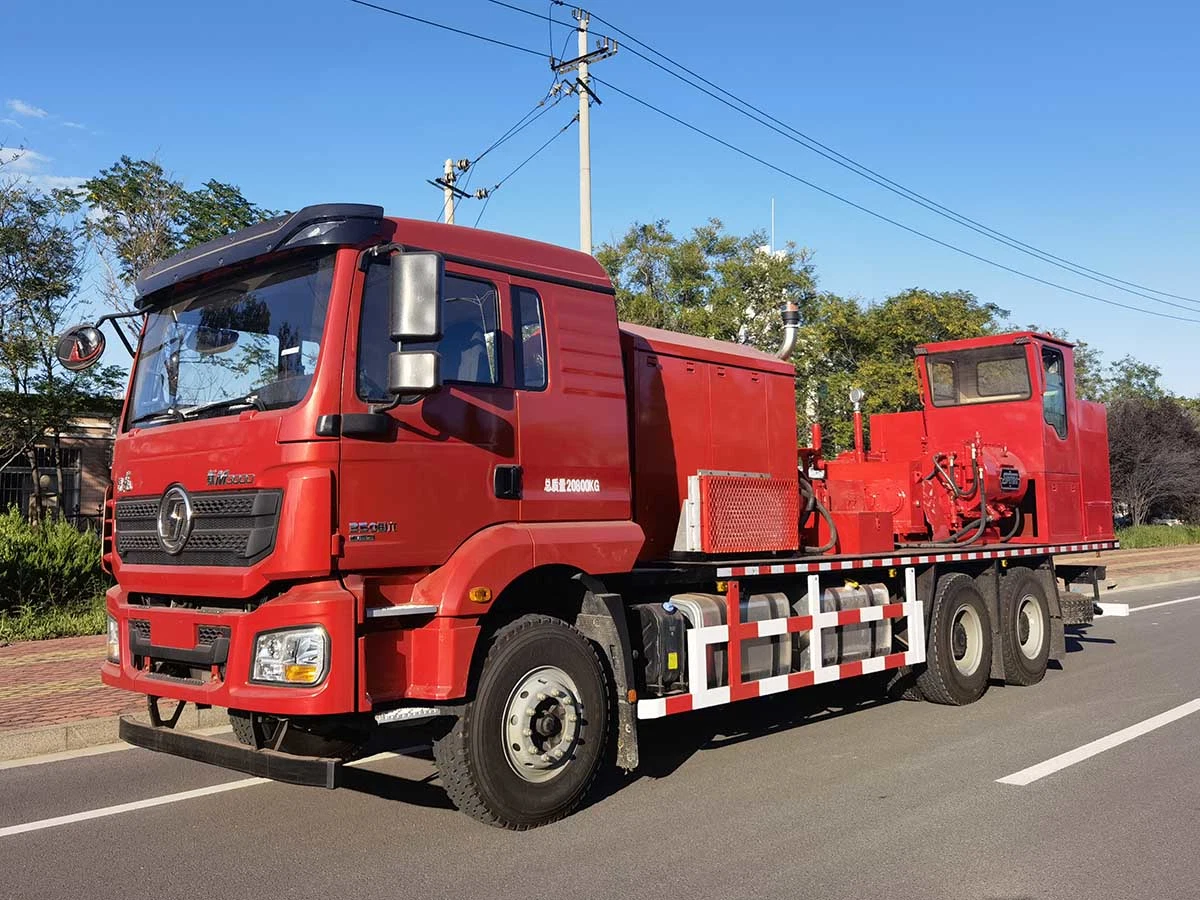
(294, 535)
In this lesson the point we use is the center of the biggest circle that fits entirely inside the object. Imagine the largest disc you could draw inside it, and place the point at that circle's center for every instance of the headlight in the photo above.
(292, 656)
(113, 654)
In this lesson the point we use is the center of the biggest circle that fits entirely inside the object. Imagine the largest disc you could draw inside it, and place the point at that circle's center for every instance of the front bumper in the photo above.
(178, 635)
(307, 770)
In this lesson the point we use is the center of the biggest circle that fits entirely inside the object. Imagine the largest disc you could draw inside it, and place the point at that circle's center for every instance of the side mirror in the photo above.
(416, 297)
(414, 372)
(80, 348)
(415, 315)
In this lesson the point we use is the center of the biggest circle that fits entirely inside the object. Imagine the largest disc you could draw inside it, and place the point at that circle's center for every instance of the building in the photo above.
(86, 457)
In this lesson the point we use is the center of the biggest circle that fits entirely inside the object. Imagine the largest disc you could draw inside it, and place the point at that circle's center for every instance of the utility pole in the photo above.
(604, 49)
(449, 178)
(450, 173)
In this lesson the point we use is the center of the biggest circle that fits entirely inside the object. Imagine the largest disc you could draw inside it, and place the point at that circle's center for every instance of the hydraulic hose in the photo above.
(813, 503)
(1016, 526)
(978, 525)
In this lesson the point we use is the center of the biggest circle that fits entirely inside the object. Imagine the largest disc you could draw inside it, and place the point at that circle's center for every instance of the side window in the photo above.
(1054, 396)
(469, 346)
(529, 329)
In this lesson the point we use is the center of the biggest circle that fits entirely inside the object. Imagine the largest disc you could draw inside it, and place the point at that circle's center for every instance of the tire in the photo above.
(1024, 627)
(298, 741)
(496, 772)
(958, 657)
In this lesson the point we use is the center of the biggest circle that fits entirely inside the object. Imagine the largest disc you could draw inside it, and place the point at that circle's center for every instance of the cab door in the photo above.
(419, 478)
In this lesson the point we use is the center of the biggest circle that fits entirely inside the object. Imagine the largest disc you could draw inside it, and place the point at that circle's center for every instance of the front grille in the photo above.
(141, 627)
(230, 528)
(207, 634)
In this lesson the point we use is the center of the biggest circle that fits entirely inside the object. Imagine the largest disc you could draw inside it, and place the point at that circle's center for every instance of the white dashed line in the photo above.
(1079, 754)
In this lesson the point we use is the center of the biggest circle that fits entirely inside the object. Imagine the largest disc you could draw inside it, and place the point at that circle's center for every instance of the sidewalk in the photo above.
(52, 699)
(1138, 568)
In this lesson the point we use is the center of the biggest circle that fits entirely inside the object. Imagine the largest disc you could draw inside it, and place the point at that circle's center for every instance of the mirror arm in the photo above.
(112, 317)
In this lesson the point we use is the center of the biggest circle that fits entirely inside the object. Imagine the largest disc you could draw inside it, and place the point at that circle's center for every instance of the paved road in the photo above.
(890, 800)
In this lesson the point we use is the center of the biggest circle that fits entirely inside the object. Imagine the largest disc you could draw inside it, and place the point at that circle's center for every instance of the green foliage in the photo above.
(39, 624)
(710, 283)
(47, 566)
(140, 215)
(844, 344)
(1140, 536)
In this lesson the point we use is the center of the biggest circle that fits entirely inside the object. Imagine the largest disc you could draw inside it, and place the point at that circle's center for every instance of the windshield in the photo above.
(982, 375)
(247, 342)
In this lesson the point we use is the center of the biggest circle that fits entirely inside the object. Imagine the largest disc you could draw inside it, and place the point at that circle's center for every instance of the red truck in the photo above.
(376, 472)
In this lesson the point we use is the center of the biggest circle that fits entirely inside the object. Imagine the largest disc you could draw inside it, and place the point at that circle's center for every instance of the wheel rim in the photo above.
(543, 724)
(966, 642)
(1031, 627)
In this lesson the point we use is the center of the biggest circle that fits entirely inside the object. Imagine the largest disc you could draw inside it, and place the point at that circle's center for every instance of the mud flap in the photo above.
(602, 620)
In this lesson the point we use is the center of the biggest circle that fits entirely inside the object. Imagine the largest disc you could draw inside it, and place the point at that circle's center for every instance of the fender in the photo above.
(495, 557)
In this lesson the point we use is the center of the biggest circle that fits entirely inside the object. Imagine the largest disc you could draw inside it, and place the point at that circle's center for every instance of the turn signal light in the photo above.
(301, 674)
(479, 594)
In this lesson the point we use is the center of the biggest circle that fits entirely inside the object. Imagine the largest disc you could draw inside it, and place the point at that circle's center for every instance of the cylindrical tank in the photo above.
(761, 657)
(845, 643)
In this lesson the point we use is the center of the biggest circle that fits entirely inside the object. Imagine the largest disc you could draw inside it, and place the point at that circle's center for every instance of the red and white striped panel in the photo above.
(841, 565)
(700, 638)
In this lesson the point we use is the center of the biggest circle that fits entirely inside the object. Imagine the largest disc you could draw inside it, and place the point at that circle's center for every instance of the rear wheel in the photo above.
(1024, 627)
(959, 652)
(525, 750)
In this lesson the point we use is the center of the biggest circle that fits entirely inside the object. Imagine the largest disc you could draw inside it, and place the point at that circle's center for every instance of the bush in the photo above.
(52, 566)
(1158, 536)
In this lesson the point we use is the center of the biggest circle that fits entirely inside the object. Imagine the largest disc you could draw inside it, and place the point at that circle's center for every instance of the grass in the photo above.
(1158, 536)
(38, 624)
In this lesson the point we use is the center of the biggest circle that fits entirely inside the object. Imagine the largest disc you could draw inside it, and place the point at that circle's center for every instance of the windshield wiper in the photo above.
(170, 413)
(228, 403)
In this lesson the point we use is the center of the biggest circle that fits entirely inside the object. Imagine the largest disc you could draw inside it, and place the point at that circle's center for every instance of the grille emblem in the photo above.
(174, 519)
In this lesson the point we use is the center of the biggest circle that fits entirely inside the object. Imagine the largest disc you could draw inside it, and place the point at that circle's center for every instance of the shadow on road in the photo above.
(1077, 636)
(666, 744)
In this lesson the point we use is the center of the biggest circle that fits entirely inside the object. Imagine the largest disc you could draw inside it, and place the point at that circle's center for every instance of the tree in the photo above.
(40, 267)
(1154, 455)
(845, 345)
(1130, 378)
(711, 283)
(139, 215)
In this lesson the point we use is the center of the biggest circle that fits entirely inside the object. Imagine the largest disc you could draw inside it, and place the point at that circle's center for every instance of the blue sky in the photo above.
(1072, 126)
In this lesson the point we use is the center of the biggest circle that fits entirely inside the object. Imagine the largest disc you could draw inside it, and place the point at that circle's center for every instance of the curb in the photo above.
(84, 733)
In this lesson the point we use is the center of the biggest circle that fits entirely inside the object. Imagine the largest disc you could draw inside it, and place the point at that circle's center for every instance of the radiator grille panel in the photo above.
(748, 514)
(230, 528)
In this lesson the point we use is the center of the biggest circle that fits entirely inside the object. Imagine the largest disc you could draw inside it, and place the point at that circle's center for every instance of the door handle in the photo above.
(507, 482)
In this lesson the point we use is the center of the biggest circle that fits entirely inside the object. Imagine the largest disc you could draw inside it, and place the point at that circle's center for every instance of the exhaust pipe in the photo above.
(791, 325)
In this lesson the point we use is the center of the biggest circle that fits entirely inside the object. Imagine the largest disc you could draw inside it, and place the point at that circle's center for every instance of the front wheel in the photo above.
(525, 750)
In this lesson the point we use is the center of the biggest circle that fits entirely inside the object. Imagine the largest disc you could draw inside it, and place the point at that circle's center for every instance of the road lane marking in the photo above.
(1079, 754)
(104, 811)
(1114, 609)
(163, 800)
(1134, 609)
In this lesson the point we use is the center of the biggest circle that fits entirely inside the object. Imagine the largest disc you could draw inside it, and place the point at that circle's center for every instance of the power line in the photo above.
(792, 175)
(883, 181)
(786, 173)
(443, 27)
(524, 163)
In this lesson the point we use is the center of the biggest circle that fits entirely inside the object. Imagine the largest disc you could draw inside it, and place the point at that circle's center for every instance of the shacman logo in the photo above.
(221, 478)
(174, 519)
